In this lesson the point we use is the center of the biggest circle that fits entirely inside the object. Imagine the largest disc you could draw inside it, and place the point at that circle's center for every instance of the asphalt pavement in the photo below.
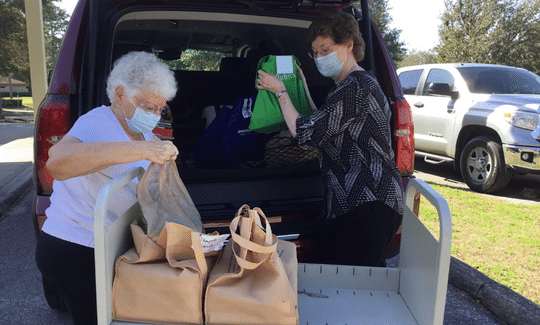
(16, 166)
(472, 297)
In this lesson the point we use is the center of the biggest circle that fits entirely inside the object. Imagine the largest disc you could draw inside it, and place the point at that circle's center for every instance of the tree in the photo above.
(13, 38)
(416, 57)
(491, 31)
(13, 44)
(197, 60)
(55, 21)
(379, 13)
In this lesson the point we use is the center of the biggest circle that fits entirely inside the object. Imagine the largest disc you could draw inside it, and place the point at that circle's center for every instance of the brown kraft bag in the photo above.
(254, 280)
(161, 281)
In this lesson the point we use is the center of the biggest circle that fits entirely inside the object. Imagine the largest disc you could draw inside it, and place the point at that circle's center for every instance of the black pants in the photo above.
(71, 269)
(361, 236)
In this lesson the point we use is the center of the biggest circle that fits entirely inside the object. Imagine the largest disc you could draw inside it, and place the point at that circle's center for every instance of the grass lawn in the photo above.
(27, 101)
(500, 239)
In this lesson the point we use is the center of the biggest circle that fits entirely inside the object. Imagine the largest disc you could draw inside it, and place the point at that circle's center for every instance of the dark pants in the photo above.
(359, 237)
(363, 234)
(70, 268)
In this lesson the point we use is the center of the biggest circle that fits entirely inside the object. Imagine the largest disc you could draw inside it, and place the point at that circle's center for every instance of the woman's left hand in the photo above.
(267, 81)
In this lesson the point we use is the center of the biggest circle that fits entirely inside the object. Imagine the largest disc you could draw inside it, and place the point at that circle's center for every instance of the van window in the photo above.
(215, 59)
(198, 60)
(409, 81)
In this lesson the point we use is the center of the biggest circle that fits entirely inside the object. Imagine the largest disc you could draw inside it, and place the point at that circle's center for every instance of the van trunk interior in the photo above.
(214, 59)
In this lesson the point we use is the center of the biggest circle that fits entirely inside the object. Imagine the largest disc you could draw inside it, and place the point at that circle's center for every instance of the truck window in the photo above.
(500, 80)
(438, 76)
(409, 81)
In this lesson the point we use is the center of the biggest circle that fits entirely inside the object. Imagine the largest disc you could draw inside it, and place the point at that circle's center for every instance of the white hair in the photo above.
(141, 70)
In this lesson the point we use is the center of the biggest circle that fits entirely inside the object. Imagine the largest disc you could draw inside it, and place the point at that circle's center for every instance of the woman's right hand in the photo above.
(71, 158)
(270, 82)
(160, 151)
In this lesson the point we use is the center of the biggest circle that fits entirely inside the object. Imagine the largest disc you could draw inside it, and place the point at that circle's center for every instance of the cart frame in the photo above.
(413, 293)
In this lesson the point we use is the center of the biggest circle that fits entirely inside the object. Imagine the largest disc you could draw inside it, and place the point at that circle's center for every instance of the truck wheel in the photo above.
(482, 165)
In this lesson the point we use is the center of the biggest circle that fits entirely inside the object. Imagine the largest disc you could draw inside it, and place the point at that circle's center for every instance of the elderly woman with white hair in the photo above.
(103, 144)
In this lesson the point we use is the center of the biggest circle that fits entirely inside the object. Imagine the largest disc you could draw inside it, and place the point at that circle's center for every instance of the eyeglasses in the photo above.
(322, 52)
(156, 110)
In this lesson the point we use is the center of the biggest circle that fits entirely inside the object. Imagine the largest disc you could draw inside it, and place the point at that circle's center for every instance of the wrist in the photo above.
(281, 93)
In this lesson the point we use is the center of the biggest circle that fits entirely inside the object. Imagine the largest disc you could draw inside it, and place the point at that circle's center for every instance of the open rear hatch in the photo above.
(214, 56)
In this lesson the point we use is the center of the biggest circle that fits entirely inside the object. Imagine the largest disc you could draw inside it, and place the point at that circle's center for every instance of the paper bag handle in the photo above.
(199, 253)
(246, 244)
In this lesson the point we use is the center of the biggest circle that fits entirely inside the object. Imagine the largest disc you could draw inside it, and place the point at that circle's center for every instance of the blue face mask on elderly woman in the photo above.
(142, 121)
(329, 65)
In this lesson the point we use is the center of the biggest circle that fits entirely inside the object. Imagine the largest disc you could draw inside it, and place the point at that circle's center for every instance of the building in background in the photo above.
(10, 88)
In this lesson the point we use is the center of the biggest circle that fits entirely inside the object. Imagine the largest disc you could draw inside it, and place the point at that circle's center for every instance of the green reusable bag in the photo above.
(267, 116)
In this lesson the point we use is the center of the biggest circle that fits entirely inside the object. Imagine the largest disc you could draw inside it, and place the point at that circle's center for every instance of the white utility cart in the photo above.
(413, 293)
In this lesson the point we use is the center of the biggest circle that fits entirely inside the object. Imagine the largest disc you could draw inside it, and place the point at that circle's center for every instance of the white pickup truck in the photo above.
(483, 118)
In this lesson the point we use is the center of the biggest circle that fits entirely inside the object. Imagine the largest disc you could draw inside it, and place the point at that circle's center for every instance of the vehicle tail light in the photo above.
(163, 132)
(403, 137)
(52, 124)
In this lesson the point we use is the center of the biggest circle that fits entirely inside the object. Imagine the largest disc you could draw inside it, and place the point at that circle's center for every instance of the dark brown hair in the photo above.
(341, 28)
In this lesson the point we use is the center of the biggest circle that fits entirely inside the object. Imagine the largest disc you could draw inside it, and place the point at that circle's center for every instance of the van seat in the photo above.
(196, 90)
(234, 79)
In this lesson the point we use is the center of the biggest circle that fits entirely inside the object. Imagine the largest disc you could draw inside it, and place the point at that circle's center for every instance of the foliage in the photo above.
(416, 57)
(55, 21)
(198, 60)
(379, 13)
(491, 31)
(13, 44)
(13, 38)
(15, 102)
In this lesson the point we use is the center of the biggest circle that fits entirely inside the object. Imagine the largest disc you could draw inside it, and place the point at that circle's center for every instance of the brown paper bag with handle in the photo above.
(254, 280)
(162, 281)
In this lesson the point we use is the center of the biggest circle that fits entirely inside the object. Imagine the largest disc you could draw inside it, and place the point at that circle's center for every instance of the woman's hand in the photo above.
(267, 81)
(160, 152)
(71, 158)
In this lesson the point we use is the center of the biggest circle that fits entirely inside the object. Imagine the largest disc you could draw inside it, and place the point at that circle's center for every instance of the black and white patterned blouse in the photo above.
(352, 132)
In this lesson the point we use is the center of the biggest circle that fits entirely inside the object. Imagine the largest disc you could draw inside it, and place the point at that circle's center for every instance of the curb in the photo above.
(17, 115)
(22, 118)
(506, 304)
(18, 186)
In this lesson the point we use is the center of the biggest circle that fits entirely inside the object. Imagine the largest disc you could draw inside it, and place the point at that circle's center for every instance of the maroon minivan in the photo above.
(213, 46)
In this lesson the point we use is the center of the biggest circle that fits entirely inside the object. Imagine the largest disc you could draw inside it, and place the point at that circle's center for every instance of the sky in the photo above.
(417, 19)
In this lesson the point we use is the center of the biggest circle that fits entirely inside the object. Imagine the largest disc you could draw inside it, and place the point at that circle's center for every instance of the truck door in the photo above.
(434, 116)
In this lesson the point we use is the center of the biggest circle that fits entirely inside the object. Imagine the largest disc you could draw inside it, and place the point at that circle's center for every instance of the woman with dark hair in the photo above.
(363, 190)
